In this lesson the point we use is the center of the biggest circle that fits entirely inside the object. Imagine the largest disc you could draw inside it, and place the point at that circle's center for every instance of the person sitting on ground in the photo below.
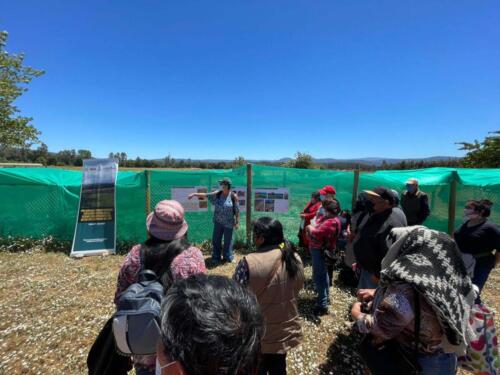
(480, 238)
(210, 326)
(307, 214)
(323, 239)
(275, 274)
(423, 283)
(226, 219)
(167, 239)
(370, 245)
(415, 203)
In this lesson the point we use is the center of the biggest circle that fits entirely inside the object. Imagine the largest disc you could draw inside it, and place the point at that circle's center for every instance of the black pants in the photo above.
(272, 364)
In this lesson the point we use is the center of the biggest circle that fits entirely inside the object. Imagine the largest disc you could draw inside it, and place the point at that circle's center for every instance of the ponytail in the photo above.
(272, 232)
(289, 257)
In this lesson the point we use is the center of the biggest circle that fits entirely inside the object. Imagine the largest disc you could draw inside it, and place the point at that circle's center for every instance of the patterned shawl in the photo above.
(431, 262)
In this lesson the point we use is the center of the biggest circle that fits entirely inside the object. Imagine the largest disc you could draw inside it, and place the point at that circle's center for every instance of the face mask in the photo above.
(159, 369)
(369, 206)
(411, 188)
(470, 214)
(322, 197)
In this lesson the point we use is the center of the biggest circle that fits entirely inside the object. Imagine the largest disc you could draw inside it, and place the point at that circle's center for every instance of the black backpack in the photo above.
(137, 321)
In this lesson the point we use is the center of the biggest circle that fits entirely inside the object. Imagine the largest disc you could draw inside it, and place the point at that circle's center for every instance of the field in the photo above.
(52, 307)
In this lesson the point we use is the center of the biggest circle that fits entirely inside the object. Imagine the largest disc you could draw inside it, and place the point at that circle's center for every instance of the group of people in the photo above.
(416, 286)
(212, 324)
(247, 324)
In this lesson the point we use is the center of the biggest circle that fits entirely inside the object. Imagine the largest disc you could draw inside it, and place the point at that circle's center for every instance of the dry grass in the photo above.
(52, 307)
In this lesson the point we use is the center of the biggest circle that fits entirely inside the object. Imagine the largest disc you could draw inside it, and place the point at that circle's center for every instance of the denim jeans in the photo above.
(438, 364)
(481, 273)
(320, 277)
(220, 231)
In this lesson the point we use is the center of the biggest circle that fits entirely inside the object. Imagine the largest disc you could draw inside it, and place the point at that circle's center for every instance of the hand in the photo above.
(308, 229)
(236, 225)
(302, 216)
(356, 310)
(365, 295)
(191, 195)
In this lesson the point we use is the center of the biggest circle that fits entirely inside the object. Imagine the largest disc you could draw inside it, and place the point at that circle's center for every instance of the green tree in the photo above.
(239, 162)
(302, 160)
(15, 130)
(485, 154)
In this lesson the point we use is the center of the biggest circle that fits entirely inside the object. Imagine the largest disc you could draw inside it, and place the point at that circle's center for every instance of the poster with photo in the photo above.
(241, 192)
(271, 200)
(195, 204)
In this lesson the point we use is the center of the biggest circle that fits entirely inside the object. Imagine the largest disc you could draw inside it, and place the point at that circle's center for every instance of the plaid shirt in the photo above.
(324, 235)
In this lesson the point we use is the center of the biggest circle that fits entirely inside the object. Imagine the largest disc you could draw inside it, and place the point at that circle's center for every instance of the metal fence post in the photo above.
(249, 205)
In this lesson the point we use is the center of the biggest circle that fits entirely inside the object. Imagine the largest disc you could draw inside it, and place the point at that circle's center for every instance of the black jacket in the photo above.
(370, 247)
(103, 358)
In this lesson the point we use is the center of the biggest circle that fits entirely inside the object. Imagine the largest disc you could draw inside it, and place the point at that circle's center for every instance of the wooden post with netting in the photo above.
(249, 205)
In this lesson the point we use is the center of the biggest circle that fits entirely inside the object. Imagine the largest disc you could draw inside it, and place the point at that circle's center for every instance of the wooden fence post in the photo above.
(355, 186)
(249, 205)
(148, 192)
(452, 203)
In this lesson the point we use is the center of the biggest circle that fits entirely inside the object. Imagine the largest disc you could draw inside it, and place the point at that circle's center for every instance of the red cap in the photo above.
(328, 189)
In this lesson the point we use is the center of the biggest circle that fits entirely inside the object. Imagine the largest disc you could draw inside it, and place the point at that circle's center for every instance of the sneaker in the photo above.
(229, 261)
(320, 311)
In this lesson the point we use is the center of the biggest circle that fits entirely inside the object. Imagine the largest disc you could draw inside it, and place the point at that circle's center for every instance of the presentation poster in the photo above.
(95, 231)
(195, 204)
(271, 200)
(241, 192)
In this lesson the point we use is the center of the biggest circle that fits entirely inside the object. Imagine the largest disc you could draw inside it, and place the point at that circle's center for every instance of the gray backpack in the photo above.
(136, 323)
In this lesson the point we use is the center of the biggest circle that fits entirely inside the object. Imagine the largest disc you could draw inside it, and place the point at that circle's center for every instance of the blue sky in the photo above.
(262, 79)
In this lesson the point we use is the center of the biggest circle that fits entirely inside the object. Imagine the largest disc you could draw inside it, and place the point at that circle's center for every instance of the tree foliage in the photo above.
(484, 154)
(302, 160)
(15, 130)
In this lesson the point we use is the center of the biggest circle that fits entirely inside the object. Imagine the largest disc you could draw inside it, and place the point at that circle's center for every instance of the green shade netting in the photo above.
(37, 202)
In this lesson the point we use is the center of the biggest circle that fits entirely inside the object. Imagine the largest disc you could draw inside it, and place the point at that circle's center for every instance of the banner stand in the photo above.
(95, 230)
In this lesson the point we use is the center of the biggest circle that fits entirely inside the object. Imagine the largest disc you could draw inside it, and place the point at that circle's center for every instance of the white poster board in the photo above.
(195, 204)
(271, 200)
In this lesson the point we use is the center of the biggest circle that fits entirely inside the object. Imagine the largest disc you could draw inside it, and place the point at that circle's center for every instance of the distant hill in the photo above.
(370, 161)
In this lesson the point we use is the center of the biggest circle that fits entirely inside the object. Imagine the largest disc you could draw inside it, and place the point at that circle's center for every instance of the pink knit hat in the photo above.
(189, 262)
(167, 222)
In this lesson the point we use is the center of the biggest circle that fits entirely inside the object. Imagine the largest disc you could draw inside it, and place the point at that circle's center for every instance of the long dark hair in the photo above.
(482, 206)
(272, 231)
(159, 257)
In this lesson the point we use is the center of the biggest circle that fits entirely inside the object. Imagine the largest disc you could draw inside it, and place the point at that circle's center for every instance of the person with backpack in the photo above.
(323, 235)
(165, 247)
(275, 274)
(226, 219)
(417, 320)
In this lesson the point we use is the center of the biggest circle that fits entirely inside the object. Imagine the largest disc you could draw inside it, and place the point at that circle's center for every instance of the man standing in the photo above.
(415, 203)
(370, 245)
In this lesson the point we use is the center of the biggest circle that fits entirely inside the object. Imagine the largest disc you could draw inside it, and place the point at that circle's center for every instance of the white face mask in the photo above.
(470, 214)
(159, 368)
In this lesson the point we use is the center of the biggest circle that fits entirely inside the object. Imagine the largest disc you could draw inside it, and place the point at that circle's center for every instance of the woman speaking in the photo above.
(226, 218)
